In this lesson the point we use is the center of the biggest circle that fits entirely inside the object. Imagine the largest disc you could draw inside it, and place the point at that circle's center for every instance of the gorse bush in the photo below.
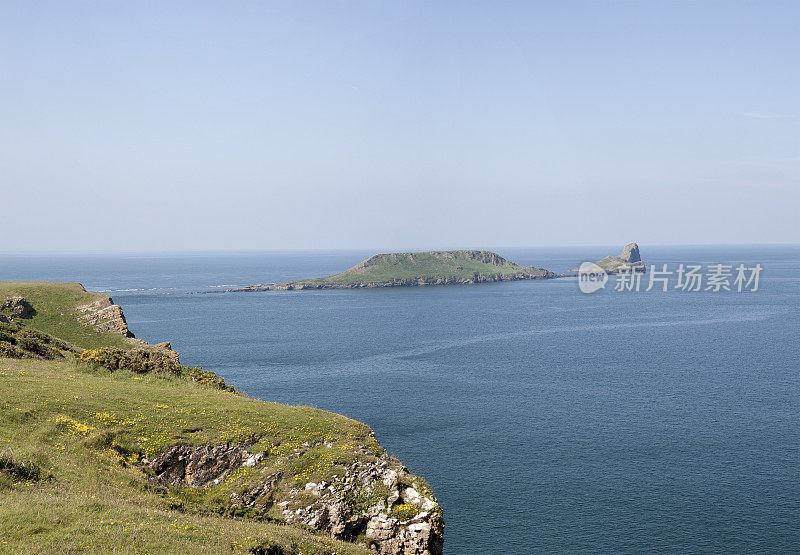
(405, 511)
(110, 358)
(146, 360)
(17, 341)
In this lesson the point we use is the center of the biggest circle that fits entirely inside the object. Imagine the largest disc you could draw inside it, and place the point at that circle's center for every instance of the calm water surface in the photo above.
(545, 419)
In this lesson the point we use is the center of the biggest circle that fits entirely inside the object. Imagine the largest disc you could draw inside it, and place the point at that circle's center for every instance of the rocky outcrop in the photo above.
(381, 500)
(629, 260)
(198, 465)
(374, 497)
(104, 315)
(15, 308)
(630, 253)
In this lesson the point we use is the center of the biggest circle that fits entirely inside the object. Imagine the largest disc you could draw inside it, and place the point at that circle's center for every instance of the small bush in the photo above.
(11, 351)
(16, 341)
(148, 360)
(405, 511)
(21, 470)
(7, 333)
(271, 547)
(37, 347)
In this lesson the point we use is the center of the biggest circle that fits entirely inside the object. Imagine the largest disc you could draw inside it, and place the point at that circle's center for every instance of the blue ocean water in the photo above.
(545, 419)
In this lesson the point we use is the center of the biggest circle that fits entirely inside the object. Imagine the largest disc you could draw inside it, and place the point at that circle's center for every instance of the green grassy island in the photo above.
(407, 269)
(110, 444)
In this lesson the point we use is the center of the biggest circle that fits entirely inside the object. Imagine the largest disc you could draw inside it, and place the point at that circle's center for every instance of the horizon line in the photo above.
(100, 252)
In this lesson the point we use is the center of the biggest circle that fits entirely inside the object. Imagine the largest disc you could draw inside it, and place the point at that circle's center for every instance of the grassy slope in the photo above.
(55, 413)
(611, 263)
(55, 304)
(431, 265)
(616, 263)
(73, 422)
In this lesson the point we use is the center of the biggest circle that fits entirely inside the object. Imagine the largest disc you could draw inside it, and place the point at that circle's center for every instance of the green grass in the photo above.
(78, 426)
(55, 305)
(399, 268)
(74, 436)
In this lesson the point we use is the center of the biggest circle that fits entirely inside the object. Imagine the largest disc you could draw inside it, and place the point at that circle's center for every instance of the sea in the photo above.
(547, 420)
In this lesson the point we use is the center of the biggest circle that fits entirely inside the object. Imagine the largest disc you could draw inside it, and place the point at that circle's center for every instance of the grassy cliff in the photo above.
(80, 432)
(129, 455)
(423, 268)
(55, 310)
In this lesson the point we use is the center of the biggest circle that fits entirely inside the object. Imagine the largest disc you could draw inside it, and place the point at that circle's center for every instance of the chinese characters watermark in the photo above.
(686, 277)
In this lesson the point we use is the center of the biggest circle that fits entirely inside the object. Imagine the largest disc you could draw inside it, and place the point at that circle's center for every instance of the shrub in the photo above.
(271, 547)
(17, 341)
(405, 511)
(147, 360)
(8, 350)
(37, 347)
(22, 470)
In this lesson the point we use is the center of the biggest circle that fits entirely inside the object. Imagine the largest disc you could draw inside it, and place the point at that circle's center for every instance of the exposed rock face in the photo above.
(376, 496)
(628, 261)
(197, 465)
(414, 536)
(104, 315)
(418, 528)
(15, 308)
(631, 253)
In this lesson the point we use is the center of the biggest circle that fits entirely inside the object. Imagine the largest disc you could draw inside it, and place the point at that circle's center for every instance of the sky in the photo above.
(397, 125)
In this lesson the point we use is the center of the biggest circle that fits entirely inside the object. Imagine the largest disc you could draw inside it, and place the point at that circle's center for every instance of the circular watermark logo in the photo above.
(591, 277)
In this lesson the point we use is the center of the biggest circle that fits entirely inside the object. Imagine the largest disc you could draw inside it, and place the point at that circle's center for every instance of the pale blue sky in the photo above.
(397, 125)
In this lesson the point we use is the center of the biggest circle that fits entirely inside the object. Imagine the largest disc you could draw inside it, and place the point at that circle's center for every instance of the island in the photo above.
(108, 442)
(411, 269)
(628, 261)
